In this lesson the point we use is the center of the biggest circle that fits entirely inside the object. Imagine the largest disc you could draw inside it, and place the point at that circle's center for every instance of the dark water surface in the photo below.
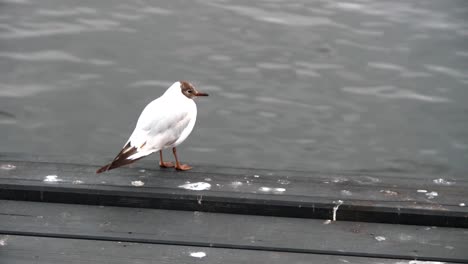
(310, 85)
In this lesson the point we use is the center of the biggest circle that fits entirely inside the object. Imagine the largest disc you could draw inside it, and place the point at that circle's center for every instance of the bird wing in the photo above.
(159, 125)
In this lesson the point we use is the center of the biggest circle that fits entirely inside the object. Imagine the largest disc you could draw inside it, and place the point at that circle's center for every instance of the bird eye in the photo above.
(189, 91)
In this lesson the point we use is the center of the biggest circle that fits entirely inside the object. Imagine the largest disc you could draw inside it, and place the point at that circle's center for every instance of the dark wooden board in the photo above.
(46, 250)
(366, 197)
(230, 231)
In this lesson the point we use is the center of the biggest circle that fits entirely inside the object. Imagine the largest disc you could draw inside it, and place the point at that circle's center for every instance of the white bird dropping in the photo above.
(164, 123)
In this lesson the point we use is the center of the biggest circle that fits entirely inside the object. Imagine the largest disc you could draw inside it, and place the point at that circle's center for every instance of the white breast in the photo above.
(192, 116)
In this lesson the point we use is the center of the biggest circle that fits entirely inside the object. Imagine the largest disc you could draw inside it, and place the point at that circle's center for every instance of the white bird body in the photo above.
(166, 122)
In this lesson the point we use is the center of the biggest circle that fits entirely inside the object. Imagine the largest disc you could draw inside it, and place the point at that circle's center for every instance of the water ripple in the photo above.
(69, 81)
(29, 29)
(318, 66)
(145, 83)
(146, 10)
(462, 53)
(273, 66)
(7, 118)
(234, 95)
(273, 100)
(393, 92)
(10, 90)
(350, 43)
(307, 73)
(405, 73)
(156, 10)
(130, 17)
(220, 58)
(99, 23)
(282, 18)
(386, 66)
(15, 2)
(349, 6)
(70, 11)
(349, 75)
(446, 70)
(410, 74)
(52, 55)
(365, 32)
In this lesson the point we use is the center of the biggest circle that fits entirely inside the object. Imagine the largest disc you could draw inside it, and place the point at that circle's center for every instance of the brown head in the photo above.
(189, 90)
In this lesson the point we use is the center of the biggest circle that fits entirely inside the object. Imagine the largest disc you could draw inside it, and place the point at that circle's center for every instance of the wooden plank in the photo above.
(365, 197)
(45, 250)
(264, 233)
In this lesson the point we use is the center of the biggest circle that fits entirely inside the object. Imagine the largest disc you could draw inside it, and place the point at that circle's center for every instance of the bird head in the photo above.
(189, 90)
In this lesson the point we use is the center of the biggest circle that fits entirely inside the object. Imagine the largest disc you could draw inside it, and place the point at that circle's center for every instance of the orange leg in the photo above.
(164, 164)
(182, 167)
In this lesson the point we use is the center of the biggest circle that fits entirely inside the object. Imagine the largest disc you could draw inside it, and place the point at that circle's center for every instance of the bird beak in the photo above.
(197, 93)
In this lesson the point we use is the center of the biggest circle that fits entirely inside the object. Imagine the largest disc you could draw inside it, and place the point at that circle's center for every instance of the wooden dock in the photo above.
(55, 212)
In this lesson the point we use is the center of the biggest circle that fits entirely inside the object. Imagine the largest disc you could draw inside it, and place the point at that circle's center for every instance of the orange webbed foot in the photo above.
(166, 164)
(183, 167)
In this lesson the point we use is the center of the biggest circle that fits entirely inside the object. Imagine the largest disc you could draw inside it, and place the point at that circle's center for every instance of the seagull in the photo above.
(164, 123)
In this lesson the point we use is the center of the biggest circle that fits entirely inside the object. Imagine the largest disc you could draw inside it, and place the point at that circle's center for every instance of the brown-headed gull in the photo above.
(164, 123)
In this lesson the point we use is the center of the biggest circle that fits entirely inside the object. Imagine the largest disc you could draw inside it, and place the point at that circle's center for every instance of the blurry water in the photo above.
(312, 85)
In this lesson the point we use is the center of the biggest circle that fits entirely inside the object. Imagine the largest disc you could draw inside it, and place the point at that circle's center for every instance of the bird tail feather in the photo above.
(123, 158)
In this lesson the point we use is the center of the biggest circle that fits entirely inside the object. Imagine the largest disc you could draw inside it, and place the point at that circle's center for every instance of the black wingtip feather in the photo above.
(120, 159)
(104, 168)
